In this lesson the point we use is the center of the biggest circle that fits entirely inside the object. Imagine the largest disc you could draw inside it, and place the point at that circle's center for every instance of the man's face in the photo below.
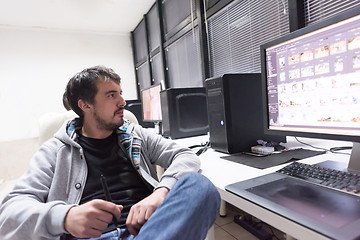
(108, 107)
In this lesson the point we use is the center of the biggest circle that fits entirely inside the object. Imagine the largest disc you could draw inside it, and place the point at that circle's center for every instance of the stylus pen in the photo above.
(107, 195)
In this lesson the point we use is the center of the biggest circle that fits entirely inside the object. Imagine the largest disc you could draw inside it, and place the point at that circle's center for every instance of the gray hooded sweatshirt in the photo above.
(37, 206)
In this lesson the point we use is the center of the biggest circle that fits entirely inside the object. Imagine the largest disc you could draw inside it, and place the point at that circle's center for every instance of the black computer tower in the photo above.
(236, 113)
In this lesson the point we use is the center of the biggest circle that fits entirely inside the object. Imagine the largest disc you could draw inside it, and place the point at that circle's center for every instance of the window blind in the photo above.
(236, 32)
(318, 10)
(143, 76)
(154, 28)
(175, 11)
(211, 3)
(157, 68)
(140, 41)
(184, 61)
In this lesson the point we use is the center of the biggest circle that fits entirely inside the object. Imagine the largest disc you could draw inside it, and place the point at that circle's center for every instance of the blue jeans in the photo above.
(188, 211)
(119, 234)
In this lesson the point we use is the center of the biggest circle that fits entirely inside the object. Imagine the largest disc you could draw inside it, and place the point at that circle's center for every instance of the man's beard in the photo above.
(101, 124)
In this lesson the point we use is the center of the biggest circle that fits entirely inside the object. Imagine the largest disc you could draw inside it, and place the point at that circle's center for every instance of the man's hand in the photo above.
(141, 212)
(90, 219)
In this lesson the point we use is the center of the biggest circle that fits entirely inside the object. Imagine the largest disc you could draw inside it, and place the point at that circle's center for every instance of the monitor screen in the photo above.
(134, 106)
(312, 80)
(151, 105)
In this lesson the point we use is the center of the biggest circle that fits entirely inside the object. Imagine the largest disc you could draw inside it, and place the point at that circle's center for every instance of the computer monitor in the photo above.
(311, 82)
(134, 106)
(184, 112)
(151, 105)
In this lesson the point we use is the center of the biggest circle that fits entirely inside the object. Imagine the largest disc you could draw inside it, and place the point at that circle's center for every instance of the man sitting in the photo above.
(61, 196)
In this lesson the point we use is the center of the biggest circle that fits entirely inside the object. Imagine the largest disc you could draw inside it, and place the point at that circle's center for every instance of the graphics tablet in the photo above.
(329, 212)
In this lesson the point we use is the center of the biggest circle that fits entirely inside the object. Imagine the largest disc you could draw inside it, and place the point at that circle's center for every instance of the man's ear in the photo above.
(83, 105)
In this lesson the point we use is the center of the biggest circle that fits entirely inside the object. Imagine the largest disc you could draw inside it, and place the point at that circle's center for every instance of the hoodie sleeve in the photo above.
(176, 159)
(25, 212)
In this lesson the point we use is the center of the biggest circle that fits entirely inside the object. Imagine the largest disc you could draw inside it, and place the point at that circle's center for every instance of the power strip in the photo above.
(249, 226)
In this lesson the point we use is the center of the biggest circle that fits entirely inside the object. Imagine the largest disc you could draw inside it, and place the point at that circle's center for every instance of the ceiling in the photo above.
(102, 16)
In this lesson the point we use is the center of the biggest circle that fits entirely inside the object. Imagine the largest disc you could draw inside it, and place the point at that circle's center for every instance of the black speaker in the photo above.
(184, 112)
(236, 113)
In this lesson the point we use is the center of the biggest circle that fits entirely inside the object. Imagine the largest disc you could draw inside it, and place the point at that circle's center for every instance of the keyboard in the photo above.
(344, 181)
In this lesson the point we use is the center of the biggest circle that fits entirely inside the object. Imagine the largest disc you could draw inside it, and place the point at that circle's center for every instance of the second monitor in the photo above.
(151, 105)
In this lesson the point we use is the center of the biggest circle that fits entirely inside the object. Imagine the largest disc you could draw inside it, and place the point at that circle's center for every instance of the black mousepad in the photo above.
(273, 159)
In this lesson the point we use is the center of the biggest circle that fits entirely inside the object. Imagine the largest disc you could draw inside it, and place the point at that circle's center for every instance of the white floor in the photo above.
(227, 229)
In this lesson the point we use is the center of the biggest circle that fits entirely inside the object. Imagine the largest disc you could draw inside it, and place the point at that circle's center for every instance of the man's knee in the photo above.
(202, 187)
(198, 180)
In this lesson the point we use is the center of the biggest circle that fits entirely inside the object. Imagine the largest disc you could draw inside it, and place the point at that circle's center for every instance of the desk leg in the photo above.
(222, 211)
(210, 234)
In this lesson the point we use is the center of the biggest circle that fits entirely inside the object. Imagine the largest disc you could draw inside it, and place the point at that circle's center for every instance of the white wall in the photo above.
(35, 66)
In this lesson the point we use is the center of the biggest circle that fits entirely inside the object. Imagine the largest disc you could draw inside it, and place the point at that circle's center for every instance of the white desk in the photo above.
(223, 172)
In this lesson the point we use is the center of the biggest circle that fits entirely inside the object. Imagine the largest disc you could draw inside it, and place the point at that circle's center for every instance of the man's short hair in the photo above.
(83, 86)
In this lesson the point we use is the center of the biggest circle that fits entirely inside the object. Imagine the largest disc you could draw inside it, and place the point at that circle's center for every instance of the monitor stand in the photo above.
(354, 162)
(353, 166)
